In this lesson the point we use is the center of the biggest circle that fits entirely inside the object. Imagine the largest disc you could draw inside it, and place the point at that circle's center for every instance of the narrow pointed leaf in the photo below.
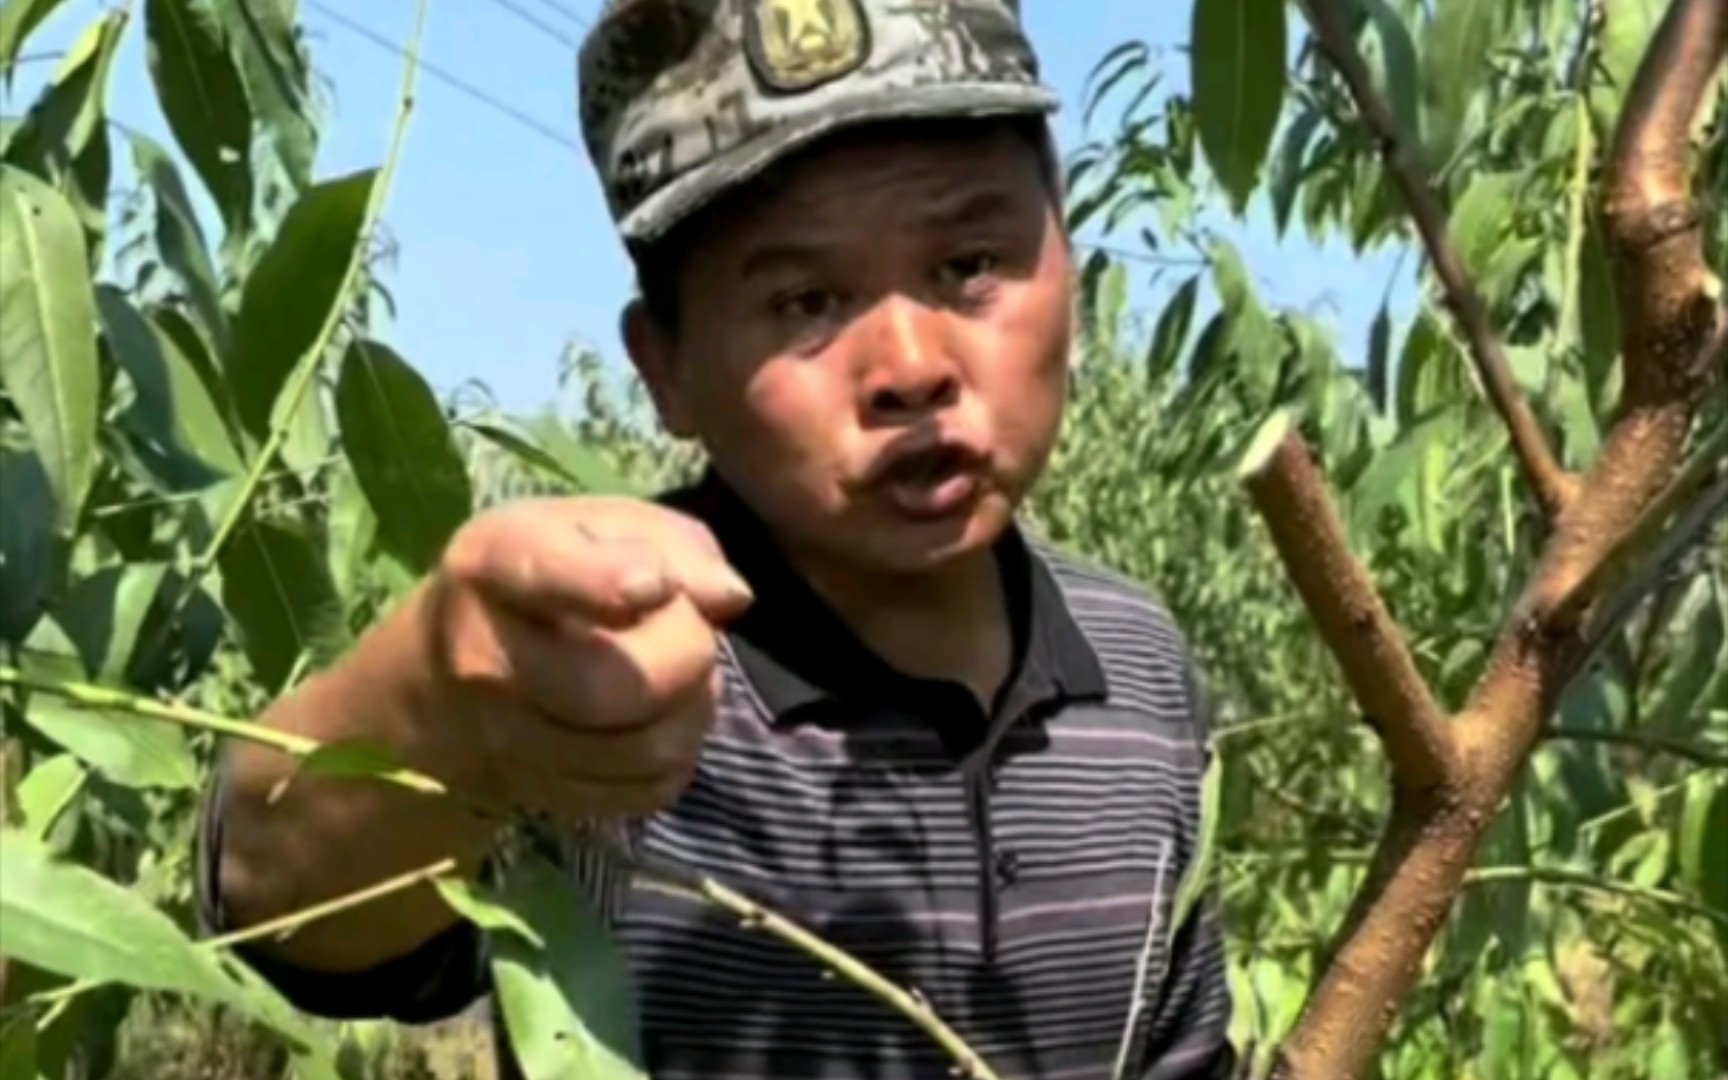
(295, 288)
(48, 335)
(278, 591)
(68, 920)
(582, 471)
(403, 456)
(1379, 357)
(45, 791)
(1171, 332)
(1392, 57)
(203, 99)
(173, 410)
(18, 19)
(128, 750)
(1238, 87)
(276, 74)
(1289, 165)
(64, 139)
(1455, 46)
(477, 904)
(30, 552)
(179, 238)
(1702, 840)
(105, 612)
(568, 1007)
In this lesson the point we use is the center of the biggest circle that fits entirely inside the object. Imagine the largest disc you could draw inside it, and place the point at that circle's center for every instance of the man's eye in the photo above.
(804, 304)
(972, 266)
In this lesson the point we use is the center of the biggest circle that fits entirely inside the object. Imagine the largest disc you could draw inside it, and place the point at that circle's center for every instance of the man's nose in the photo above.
(907, 367)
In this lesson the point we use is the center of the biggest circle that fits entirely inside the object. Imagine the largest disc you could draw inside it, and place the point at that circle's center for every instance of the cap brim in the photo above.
(658, 213)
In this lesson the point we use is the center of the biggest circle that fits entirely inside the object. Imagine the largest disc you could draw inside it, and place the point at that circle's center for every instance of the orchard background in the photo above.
(216, 475)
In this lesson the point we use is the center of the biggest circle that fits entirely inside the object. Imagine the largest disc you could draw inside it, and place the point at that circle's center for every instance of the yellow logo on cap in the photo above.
(798, 44)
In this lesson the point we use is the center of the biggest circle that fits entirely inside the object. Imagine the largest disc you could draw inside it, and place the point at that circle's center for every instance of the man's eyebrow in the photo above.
(972, 207)
(777, 255)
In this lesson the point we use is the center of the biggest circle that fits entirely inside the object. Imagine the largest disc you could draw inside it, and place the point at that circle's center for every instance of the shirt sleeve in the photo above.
(435, 981)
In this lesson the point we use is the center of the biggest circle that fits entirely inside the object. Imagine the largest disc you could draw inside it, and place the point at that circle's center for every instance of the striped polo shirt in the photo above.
(1017, 866)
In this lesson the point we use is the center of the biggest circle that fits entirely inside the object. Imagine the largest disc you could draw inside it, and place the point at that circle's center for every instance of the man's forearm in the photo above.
(328, 836)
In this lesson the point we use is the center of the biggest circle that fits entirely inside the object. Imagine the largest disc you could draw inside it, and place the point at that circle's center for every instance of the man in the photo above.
(834, 673)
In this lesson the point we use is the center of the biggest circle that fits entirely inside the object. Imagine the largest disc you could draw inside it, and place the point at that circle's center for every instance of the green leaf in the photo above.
(69, 920)
(1238, 87)
(1171, 333)
(18, 19)
(1702, 839)
(353, 528)
(1480, 219)
(173, 416)
(1455, 47)
(1627, 27)
(580, 467)
(30, 552)
(278, 591)
(402, 453)
(48, 335)
(203, 99)
(130, 751)
(104, 612)
(357, 757)
(273, 66)
(179, 238)
(1288, 167)
(479, 906)
(45, 791)
(1598, 311)
(294, 290)
(1391, 57)
(1379, 357)
(64, 139)
(568, 1008)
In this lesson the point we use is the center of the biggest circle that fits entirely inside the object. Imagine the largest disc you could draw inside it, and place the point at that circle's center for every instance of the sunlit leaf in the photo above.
(1392, 58)
(45, 792)
(295, 288)
(18, 19)
(48, 335)
(403, 456)
(356, 757)
(64, 138)
(568, 1007)
(1702, 839)
(275, 72)
(67, 919)
(479, 906)
(128, 750)
(580, 467)
(1627, 27)
(1238, 87)
(1455, 47)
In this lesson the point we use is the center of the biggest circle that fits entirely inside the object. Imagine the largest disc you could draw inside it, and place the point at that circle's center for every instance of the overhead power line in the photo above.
(535, 21)
(455, 82)
(580, 22)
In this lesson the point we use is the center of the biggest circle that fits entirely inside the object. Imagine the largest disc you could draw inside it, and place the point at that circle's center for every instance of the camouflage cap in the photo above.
(682, 100)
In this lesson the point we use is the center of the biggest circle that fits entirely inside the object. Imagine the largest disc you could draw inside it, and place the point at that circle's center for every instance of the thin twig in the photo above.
(1290, 494)
(1697, 753)
(1573, 879)
(907, 1003)
(1552, 484)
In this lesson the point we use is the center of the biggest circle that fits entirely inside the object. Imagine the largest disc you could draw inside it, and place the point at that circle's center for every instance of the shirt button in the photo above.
(1007, 865)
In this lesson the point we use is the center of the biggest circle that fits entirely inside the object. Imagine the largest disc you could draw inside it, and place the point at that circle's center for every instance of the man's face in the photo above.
(874, 350)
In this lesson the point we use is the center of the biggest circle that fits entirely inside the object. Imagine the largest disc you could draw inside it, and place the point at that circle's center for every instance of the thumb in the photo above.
(717, 590)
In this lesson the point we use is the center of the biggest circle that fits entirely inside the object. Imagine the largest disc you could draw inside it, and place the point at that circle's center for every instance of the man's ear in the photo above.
(653, 352)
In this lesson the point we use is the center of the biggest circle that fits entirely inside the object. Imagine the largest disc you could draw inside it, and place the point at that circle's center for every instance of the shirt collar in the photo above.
(797, 652)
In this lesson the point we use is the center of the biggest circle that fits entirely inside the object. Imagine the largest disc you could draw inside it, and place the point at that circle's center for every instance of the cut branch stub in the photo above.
(1290, 494)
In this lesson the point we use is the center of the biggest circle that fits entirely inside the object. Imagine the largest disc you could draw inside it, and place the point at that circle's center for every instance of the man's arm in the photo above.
(560, 662)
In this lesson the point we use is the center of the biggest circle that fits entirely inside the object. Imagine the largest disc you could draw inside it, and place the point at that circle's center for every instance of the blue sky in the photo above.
(506, 250)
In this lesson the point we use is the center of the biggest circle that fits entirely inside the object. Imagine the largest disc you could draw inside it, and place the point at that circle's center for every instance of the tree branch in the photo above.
(1290, 495)
(1553, 486)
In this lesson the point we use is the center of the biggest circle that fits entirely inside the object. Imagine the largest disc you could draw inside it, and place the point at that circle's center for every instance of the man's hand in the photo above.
(573, 644)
